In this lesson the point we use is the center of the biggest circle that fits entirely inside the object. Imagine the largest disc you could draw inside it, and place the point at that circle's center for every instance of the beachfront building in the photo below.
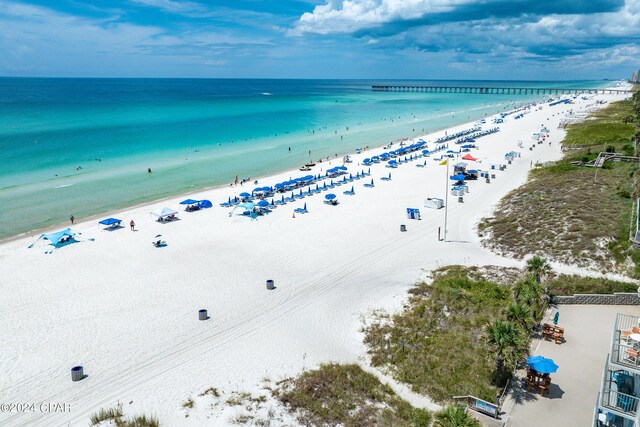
(618, 401)
(635, 77)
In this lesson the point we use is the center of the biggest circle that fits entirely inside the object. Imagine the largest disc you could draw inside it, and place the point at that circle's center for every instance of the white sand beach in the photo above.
(128, 312)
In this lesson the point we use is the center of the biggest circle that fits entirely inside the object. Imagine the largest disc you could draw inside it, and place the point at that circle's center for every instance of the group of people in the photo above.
(242, 181)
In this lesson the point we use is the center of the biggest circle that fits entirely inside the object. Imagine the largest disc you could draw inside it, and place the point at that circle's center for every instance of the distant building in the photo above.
(635, 77)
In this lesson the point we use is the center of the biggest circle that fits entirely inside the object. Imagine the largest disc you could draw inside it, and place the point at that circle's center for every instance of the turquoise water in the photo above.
(83, 146)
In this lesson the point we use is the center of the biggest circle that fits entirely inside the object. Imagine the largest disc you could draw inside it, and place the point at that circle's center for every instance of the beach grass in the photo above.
(575, 214)
(346, 395)
(115, 416)
(436, 343)
(564, 284)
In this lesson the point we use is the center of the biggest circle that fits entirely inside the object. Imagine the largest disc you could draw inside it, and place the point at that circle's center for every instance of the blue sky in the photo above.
(467, 39)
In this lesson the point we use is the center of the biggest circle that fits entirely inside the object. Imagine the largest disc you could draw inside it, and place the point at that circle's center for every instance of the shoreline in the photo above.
(126, 207)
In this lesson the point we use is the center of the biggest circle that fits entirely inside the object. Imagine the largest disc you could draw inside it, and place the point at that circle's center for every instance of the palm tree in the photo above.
(530, 294)
(520, 315)
(538, 267)
(454, 416)
(505, 339)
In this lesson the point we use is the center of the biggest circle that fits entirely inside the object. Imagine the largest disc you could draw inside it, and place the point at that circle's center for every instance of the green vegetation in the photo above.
(581, 214)
(454, 416)
(459, 335)
(613, 126)
(570, 285)
(346, 395)
(114, 416)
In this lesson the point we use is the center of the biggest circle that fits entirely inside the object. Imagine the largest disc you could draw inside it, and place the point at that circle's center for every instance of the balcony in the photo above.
(625, 348)
(620, 403)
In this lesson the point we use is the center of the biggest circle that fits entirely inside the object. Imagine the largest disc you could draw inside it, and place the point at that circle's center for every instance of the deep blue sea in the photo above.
(83, 146)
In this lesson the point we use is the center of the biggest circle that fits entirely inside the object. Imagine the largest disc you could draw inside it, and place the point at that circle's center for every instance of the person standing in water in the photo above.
(72, 219)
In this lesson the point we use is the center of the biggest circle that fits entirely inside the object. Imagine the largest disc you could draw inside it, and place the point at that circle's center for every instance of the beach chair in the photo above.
(301, 210)
(370, 184)
(386, 178)
(421, 165)
(349, 192)
(631, 355)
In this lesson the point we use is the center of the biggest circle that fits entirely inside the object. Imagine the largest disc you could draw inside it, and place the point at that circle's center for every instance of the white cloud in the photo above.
(348, 16)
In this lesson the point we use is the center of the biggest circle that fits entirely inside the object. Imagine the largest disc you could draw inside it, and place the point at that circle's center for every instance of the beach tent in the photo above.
(469, 157)
(162, 213)
(205, 204)
(247, 207)
(111, 223)
(58, 238)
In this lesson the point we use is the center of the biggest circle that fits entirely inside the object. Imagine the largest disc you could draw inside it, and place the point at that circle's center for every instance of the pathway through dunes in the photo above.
(127, 311)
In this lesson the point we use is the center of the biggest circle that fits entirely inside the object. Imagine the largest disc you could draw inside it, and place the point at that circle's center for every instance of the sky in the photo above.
(362, 39)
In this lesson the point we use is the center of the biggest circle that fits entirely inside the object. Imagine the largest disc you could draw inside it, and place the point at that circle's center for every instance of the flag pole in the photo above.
(446, 196)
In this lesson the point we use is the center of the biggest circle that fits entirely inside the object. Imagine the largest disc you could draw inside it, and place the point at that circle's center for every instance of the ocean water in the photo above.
(83, 146)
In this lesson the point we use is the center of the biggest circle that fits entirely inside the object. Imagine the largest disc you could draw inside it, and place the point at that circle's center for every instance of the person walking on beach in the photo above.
(132, 224)
(72, 219)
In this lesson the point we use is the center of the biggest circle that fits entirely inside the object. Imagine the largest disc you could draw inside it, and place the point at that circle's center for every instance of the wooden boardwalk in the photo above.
(494, 90)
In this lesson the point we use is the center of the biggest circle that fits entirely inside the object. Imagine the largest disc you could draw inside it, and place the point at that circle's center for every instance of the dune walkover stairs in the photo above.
(599, 161)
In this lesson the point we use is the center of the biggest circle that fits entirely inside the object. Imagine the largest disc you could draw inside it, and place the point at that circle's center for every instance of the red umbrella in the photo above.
(469, 157)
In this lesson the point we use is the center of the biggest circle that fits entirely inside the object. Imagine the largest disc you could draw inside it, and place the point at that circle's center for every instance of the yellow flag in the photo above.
(444, 162)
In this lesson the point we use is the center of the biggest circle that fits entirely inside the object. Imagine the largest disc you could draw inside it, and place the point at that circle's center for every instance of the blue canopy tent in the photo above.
(192, 205)
(190, 202)
(111, 223)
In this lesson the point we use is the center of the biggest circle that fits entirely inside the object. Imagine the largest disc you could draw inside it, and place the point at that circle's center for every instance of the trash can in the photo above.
(403, 227)
(77, 373)
(460, 199)
(493, 176)
(202, 314)
(270, 285)
(488, 180)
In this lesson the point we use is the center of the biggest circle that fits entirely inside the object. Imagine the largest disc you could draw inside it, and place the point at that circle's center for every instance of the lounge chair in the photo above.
(301, 210)
(370, 184)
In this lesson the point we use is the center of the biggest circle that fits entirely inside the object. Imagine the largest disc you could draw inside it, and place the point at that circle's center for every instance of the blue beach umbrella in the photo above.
(542, 364)
(458, 177)
(263, 203)
(330, 196)
(245, 194)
